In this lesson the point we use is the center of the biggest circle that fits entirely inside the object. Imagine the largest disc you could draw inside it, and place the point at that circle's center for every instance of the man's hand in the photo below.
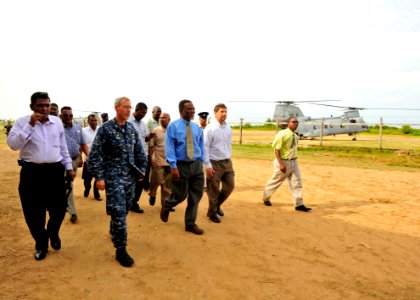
(282, 168)
(175, 175)
(37, 117)
(71, 174)
(100, 184)
(210, 172)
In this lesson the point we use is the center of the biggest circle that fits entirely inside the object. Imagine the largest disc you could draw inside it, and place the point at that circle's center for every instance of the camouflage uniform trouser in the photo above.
(119, 198)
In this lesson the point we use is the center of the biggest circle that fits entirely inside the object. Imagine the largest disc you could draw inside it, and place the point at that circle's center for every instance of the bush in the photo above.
(406, 129)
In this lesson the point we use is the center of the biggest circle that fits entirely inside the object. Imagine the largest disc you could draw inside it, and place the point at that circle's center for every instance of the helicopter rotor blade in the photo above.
(394, 108)
(363, 108)
(88, 111)
(285, 101)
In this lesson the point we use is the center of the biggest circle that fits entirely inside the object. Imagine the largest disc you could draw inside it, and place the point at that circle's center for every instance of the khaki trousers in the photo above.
(71, 207)
(223, 173)
(293, 176)
(160, 176)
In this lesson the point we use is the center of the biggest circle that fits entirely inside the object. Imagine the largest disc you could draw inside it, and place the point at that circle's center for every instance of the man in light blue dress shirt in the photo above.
(184, 149)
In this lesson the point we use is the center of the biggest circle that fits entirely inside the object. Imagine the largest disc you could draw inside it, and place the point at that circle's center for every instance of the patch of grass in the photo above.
(248, 126)
(337, 156)
(390, 130)
(3, 135)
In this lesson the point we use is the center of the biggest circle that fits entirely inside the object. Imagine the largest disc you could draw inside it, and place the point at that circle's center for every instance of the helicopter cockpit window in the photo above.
(352, 121)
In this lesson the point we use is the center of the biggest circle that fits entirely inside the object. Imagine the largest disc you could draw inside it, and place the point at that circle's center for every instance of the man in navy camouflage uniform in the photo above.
(117, 161)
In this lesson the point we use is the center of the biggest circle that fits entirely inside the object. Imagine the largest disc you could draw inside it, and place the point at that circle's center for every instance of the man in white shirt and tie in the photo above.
(218, 163)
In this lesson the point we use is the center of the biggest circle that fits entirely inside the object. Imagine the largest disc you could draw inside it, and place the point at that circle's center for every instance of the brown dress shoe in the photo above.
(194, 229)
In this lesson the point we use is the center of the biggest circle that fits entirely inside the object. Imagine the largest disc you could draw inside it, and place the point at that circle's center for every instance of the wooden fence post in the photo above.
(240, 131)
(381, 123)
(321, 132)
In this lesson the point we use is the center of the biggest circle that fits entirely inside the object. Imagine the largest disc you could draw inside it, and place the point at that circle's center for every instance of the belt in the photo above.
(185, 162)
(222, 160)
(289, 158)
(22, 163)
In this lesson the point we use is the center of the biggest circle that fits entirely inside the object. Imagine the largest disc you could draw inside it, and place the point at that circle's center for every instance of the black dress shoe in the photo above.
(152, 200)
(303, 208)
(86, 194)
(214, 219)
(164, 214)
(136, 209)
(98, 198)
(172, 209)
(40, 254)
(123, 258)
(194, 229)
(73, 218)
(267, 203)
(220, 212)
(55, 243)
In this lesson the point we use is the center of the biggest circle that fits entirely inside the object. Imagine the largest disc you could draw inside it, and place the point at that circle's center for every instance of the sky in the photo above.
(87, 53)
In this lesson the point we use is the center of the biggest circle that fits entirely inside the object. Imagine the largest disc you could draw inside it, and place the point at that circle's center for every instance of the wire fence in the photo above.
(394, 136)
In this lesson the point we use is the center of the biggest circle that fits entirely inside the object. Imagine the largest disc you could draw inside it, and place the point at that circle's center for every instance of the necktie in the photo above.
(293, 148)
(190, 145)
(293, 142)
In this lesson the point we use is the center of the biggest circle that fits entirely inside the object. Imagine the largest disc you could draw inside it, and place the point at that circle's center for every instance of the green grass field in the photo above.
(336, 156)
(361, 154)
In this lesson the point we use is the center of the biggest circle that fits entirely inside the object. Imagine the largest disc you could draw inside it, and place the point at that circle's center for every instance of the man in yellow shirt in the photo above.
(286, 166)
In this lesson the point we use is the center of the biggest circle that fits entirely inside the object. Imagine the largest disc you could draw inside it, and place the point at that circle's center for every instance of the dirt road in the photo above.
(361, 241)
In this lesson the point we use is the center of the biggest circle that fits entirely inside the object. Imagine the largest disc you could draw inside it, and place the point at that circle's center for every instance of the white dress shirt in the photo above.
(143, 132)
(89, 135)
(43, 143)
(217, 142)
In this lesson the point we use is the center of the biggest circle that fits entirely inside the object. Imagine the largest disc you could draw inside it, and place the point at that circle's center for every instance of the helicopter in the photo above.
(350, 122)
(82, 121)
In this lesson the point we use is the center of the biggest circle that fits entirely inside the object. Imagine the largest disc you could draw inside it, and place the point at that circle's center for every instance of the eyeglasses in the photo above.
(67, 115)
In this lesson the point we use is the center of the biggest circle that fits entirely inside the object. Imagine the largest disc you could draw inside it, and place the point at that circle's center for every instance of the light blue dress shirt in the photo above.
(176, 142)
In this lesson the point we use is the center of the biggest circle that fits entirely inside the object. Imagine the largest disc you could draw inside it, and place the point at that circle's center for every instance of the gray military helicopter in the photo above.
(82, 121)
(350, 122)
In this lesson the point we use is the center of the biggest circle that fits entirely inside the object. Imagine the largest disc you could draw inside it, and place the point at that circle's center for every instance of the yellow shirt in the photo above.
(283, 143)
